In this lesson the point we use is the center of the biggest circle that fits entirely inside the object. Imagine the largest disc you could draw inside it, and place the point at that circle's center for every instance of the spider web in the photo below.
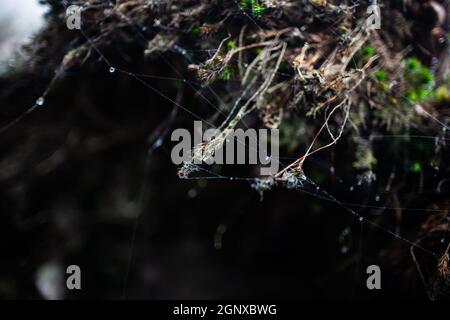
(302, 183)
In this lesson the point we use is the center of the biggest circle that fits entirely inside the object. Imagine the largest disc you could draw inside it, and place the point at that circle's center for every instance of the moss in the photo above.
(417, 73)
(368, 51)
(258, 10)
(421, 81)
(366, 160)
(196, 31)
(381, 75)
(226, 74)
(255, 6)
(413, 64)
(434, 163)
(231, 45)
(417, 94)
(442, 94)
(416, 167)
(382, 78)
(246, 4)
(384, 86)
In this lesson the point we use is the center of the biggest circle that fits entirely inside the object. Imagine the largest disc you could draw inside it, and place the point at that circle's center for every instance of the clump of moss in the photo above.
(421, 80)
(231, 45)
(258, 8)
(442, 94)
(416, 167)
(381, 75)
(368, 52)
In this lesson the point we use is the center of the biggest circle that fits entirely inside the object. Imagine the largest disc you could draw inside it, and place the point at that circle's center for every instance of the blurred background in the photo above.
(19, 21)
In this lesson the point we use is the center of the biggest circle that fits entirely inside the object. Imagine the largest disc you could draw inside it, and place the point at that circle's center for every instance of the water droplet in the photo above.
(442, 240)
(192, 193)
(352, 188)
(40, 101)
(112, 70)
(361, 219)
(434, 61)
(158, 143)
(345, 249)
(291, 182)
(345, 240)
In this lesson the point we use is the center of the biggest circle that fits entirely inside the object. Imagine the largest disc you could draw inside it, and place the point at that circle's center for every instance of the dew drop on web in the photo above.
(345, 240)
(158, 143)
(40, 102)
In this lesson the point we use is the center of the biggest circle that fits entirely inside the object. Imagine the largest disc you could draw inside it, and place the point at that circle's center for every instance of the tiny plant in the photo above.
(196, 31)
(256, 6)
(231, 45)
(226, 74)
(421, 80)
(416, 167)
(368, 51)
(442, 94)
(381, 75)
